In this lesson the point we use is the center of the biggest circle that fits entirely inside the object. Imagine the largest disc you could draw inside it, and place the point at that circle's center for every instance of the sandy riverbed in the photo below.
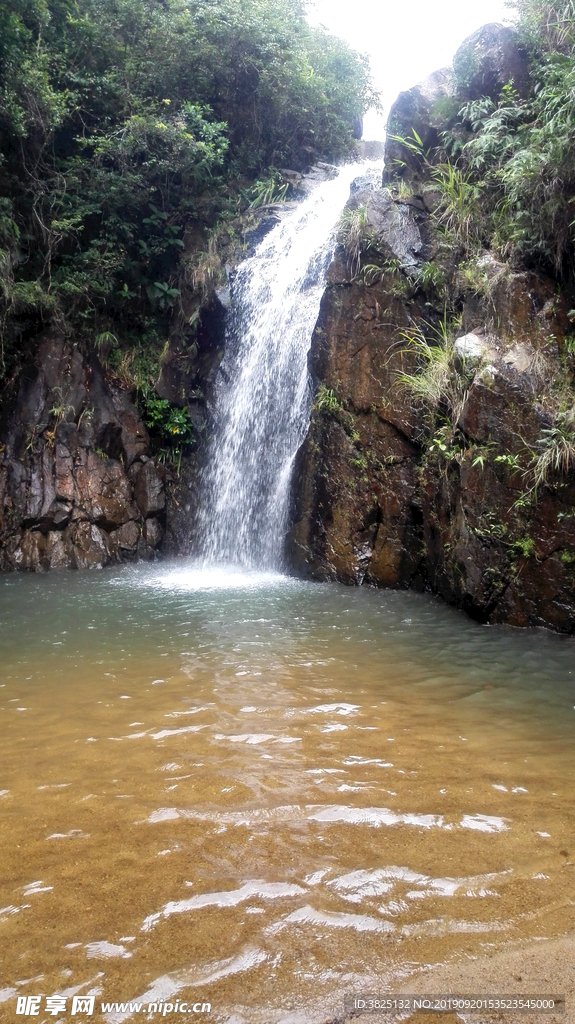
(535, 968)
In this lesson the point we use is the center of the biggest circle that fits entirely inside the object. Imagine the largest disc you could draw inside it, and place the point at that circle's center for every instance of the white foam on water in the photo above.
(374, 816)
(194, 577)
(483, 823)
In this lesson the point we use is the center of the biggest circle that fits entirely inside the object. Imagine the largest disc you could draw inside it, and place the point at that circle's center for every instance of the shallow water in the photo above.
(264, 793)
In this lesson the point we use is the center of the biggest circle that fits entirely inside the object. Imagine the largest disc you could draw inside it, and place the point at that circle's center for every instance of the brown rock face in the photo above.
(459, 486)
(377, 500)
(66, 498)
(357, 512)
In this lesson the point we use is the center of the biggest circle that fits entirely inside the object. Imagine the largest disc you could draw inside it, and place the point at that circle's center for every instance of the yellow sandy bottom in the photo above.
(264, 828)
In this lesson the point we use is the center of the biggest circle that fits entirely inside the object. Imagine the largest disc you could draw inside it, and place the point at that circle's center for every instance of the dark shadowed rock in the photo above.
(427, 109)
(58, 390)
(126, 537)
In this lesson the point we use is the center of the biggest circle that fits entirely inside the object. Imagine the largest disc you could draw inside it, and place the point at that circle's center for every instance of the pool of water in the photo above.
(264, 793)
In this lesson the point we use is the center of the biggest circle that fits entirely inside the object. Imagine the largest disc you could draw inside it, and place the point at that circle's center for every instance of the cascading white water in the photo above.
(263, 393)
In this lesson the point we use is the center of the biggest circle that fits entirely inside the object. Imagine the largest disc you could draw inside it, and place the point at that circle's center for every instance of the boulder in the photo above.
(488, 60)
(125, 538)
(58, 551)
(368, 182)
(470, 350)
(91, 547)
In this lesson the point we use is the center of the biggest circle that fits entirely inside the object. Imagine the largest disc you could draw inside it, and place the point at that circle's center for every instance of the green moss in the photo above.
(525, 547)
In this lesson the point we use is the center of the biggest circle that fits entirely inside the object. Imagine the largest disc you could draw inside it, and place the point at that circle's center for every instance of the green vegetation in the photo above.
(525, 547)
(431, 277)
(272, 189)
(520, 152)
(326, 401)
(170, 427)
(439, 384)
(355, 236)
(555, 457)
(133, 133)
(458, 211)
(505, 168)
(503, 185)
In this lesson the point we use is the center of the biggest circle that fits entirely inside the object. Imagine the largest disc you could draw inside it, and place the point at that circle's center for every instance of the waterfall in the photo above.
(263, 390)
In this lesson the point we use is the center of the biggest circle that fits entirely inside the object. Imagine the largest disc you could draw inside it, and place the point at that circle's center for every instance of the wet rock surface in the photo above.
(76, 487)
(356, 508)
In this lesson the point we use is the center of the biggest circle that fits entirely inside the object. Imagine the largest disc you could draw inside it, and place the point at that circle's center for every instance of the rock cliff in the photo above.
(77, 489)
(433, 458)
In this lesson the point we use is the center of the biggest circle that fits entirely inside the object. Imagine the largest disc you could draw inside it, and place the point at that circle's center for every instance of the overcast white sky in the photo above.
(406, 40)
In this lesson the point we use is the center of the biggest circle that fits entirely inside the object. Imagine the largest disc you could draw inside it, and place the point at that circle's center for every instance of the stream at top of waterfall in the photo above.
(263, 793)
